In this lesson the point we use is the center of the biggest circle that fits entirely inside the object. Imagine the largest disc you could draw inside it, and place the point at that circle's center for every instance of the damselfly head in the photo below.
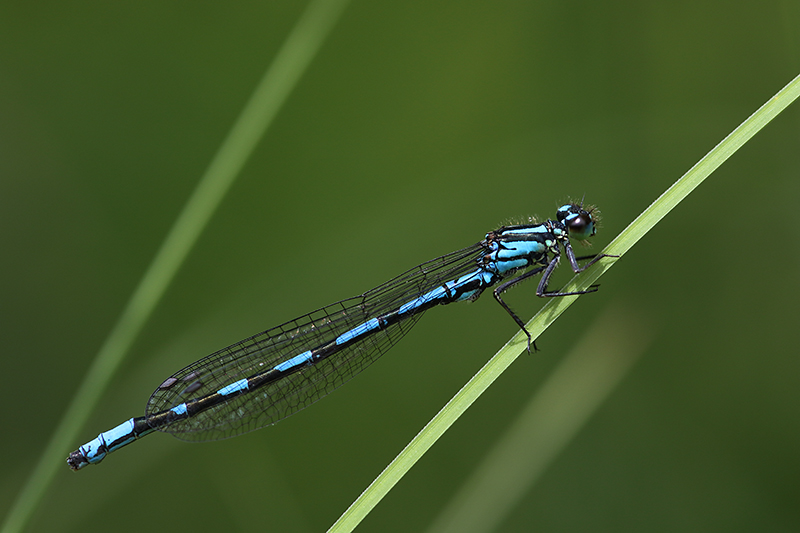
(581, 222)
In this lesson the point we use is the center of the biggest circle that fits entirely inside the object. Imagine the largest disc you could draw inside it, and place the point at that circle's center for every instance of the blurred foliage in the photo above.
(418, 127)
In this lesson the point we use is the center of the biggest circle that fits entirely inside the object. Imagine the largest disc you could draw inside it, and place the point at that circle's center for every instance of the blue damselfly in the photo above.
(272, 375)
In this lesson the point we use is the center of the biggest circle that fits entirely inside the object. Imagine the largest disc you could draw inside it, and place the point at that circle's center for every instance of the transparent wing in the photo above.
(262, 352)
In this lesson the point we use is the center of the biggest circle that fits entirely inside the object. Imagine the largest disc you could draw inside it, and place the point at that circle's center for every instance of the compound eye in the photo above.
(580, 225)
(578, 222)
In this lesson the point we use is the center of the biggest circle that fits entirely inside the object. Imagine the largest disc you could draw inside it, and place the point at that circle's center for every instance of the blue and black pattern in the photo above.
(272, 375)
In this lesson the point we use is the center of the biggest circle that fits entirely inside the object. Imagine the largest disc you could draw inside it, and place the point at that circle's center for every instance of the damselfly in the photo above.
(272, 375)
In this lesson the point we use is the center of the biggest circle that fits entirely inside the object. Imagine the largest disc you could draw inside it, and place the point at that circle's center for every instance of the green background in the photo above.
(417, 128)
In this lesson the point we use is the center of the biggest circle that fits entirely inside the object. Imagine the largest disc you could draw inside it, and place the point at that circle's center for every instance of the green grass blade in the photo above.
(291, 61)
(555, 413)
(508, 353)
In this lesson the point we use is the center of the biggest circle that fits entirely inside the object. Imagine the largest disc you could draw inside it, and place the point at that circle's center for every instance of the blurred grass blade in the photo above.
(553, 416)
(293, 58)
(508, 353)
